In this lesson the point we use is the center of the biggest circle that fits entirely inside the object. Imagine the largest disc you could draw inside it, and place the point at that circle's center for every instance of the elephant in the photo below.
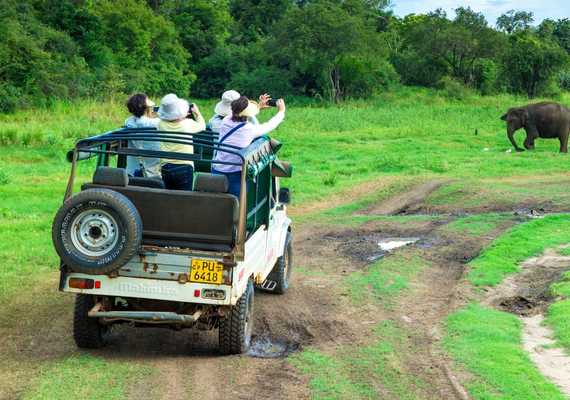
(546, 120)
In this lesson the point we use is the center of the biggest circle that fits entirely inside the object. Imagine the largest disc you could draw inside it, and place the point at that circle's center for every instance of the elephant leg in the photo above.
(564, 143)
(510, 135)
(531, 134)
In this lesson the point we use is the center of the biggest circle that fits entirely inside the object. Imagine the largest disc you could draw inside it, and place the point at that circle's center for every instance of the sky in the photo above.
(554, 9)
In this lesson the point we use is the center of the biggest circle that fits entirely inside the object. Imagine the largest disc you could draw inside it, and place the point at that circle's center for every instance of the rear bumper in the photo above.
(150, 289)
(147, 317)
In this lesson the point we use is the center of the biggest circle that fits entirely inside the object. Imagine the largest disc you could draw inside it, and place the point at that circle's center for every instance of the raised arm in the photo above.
(265, 128)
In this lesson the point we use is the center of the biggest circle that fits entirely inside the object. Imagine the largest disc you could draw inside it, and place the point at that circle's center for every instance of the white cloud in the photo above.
(554, 9)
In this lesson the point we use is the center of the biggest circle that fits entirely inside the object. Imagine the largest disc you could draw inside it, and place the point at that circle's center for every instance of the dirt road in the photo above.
(317, 312)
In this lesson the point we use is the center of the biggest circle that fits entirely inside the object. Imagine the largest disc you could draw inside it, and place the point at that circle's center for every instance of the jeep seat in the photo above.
(204, 220)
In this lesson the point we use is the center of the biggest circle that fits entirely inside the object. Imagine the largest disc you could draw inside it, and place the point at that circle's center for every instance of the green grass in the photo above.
(558, 314)
(84, 377)
(519, 243)
(477, 225)
(384, 279)
(377, 370)
(488, 344)
(565, 251)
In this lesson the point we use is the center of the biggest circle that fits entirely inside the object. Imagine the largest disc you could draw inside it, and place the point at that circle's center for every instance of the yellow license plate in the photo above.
(206, 271)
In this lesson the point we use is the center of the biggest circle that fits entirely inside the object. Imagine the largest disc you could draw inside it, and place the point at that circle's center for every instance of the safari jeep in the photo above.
(134, 252)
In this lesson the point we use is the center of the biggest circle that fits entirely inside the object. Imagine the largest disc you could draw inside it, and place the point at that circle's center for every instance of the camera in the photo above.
(272, 103)
(190, 114)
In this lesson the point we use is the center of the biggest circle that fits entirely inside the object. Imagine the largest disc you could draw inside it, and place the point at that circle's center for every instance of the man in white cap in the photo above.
(174, 117)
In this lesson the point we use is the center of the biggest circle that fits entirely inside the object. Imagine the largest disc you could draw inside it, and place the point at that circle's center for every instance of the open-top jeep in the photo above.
(135, 252)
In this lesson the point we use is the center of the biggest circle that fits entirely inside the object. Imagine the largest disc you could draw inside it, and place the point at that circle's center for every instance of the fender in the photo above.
(285, 227)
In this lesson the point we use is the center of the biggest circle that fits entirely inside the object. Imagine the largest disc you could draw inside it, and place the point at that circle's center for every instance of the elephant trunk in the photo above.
(510, 134)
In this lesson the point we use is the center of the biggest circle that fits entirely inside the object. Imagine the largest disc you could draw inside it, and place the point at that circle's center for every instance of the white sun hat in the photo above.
(251, 110)
(173, 108)
(224, 107)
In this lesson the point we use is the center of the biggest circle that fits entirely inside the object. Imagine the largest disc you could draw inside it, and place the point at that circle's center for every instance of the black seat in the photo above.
(200, 220)
(149, 182)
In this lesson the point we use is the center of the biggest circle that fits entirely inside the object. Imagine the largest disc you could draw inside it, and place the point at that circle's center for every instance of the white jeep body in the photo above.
(162, 273)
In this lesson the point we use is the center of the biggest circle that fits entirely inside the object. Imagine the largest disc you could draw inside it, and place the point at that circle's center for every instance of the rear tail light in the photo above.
(81, 283)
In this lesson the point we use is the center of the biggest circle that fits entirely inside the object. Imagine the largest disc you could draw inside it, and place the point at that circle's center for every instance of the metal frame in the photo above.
(115, 139)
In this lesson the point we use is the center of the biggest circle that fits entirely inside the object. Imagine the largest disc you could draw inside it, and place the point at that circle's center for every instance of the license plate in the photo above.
(206, 271)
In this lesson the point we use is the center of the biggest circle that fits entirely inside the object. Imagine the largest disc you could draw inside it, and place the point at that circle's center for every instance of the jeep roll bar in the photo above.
(254, 158)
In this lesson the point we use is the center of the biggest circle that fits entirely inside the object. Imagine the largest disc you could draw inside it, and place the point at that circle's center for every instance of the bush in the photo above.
(363, 76)
(486, 78)
(270, 80)
(453, 89)
(563, 79)
(416, 70)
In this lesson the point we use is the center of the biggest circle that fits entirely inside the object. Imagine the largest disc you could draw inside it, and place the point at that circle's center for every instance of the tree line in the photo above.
(329, 49)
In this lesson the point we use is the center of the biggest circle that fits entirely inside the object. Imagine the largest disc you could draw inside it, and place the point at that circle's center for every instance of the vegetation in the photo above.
(384, 279)
(521, 242)
(72, 377)
(558, 315)
(488, 343)
(332, 49)
(355, 372)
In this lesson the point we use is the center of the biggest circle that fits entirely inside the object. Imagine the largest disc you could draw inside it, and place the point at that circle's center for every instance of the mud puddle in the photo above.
(527, 292)
(265, 346)
(551, 361)
(370, 248)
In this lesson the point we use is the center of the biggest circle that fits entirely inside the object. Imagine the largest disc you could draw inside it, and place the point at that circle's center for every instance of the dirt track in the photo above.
(315, 312)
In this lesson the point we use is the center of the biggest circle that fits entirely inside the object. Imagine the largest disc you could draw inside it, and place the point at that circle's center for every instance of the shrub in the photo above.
(453, 89)
(563, 79)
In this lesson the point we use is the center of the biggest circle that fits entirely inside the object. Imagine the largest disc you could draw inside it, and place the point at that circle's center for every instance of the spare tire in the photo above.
(97, 231)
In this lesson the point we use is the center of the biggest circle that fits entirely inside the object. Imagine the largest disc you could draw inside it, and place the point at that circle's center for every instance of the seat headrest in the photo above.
(111, 176)
(204, 182)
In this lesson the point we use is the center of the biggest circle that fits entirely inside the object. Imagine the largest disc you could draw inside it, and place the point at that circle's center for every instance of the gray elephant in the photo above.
(545, 120)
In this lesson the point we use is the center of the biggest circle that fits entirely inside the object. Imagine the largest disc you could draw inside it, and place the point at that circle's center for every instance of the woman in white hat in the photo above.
(174, 117)
(224, 108)
(141, 108)
(237, 130)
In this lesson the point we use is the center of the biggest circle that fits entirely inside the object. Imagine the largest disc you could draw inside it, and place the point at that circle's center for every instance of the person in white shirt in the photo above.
(141, 108)
(238, 131)
(174, 117)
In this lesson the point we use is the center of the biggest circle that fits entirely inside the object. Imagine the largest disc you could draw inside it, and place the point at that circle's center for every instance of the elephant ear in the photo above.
(523, 115)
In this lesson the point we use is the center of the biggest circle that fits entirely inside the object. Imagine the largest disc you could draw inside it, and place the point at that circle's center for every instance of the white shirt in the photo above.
(151, 165)
(242, 138)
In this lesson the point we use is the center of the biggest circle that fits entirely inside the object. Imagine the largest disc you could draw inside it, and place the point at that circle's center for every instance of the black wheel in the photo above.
(97, 231)
(281, 273)
(88, 333)
(236, 328)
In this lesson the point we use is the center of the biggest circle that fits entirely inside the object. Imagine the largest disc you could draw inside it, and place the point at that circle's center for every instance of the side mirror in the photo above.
(284, 196)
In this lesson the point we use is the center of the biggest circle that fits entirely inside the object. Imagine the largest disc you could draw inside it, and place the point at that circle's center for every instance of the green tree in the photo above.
(255, 18)
(143, 46)
(531, 63)
(201, 25)
(312, 40)
(515, 21)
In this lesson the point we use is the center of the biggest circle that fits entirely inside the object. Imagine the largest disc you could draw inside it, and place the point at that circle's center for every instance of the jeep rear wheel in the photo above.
(281, 272)
(88, 333)
(97, 231)
(236, 328)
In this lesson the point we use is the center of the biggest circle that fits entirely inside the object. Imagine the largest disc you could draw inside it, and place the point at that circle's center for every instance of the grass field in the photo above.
(346, 158)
